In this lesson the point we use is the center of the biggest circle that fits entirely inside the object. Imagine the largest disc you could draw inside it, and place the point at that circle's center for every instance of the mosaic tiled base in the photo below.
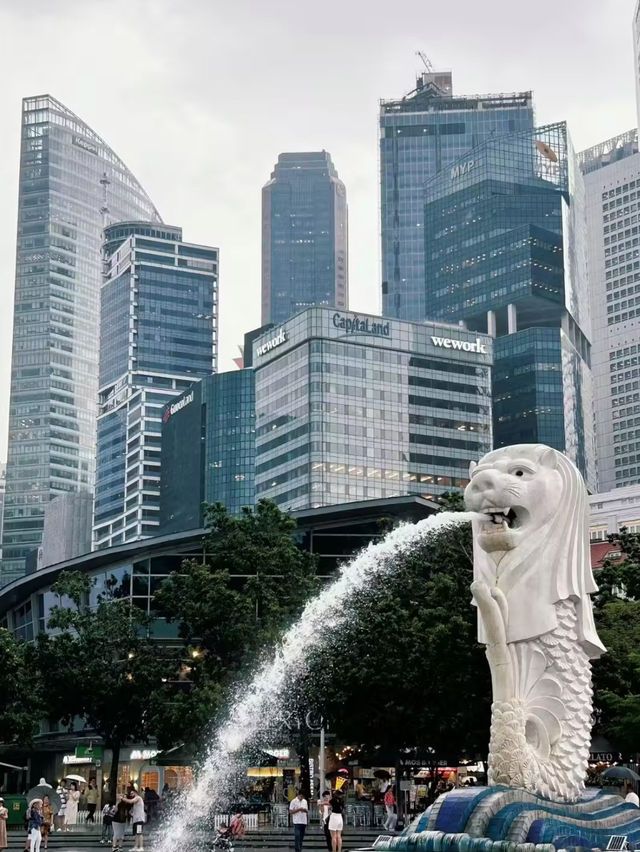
(503, 819)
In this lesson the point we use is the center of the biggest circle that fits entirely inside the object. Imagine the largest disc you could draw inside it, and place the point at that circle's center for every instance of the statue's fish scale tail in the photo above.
(526, 749)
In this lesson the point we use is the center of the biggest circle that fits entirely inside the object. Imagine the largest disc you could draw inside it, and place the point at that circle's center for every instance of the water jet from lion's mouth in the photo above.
(255, 702)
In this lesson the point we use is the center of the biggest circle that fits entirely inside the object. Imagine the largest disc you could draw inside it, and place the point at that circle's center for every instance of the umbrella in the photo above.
(383, 774)
(77, 778)
(620, 773)
(42, 790)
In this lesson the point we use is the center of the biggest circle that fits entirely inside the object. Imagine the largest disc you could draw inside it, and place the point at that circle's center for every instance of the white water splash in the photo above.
(256, 700)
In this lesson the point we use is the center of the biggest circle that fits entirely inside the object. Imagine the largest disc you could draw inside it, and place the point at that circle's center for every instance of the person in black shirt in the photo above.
(336, 822)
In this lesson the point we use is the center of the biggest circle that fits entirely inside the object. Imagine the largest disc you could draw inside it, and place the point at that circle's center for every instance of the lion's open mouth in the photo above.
(504, 518)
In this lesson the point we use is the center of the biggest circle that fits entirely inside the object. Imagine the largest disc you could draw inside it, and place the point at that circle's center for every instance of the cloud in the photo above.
(198, 97)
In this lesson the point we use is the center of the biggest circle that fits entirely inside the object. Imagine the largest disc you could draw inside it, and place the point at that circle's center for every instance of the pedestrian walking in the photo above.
(299, 810)
(93, 797)
(324, 807)
(138, 818)
(4, 816)
(336, 821)
(71, 809)
(390, 804)
(47, 820)
(35, 825)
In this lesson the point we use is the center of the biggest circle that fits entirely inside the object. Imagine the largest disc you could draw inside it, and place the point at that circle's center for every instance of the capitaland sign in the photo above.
(278, 340)
(356, 325)
(175, 407)
(461, 169)
(462, 345)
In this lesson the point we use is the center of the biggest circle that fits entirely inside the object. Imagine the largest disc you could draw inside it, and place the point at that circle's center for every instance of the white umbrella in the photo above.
(77, 778)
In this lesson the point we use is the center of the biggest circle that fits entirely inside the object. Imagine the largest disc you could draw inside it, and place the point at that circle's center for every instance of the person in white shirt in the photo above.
(138, 818)
(299, 810)
(632, 796)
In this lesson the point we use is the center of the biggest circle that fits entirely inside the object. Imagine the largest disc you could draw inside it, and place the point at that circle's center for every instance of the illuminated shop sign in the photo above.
(355, 325)
(463, 345)
(278, 340)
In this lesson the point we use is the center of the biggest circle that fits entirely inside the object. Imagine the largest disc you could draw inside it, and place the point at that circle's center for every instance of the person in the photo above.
(119, 821)
(138, 818)
(108, 812)
(389, 804)
(237, 827)
(151, 803)
(35, 825)
(336, 822)
(324, 809)
(92, 796)
(47, 820)
(58, 820)
(299, 810)
(4, 815)
(631, 795)
(71, 809)
(360, 790)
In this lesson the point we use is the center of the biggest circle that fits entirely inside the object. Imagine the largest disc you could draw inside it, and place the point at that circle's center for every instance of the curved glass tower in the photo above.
(71, 185)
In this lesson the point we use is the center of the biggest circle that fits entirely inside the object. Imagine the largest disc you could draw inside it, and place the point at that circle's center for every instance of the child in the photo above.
(107, 819)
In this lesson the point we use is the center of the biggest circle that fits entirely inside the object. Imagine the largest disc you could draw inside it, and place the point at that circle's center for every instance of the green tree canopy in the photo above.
(407, 671)
(99, 665)
(616, 675)
(20, 691)
(253, 582)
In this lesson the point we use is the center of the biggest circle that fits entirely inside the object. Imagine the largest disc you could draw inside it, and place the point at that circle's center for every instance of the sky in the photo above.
(198, 97)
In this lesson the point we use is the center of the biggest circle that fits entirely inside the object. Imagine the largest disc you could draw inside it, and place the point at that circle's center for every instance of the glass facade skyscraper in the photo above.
(208, 450)
(421, 134)
(612, 188)
(505, 254)
(353, 407)
(304, 237)
(158, 326)
(70, 183)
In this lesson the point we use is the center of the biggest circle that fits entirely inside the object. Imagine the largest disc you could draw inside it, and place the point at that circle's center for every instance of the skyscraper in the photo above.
(70, 182)
(420, 134)
(352, 407)
(208, 449)
(158, 324)
(612, 189)
(304, 237)
(505, 254)
(636, 53)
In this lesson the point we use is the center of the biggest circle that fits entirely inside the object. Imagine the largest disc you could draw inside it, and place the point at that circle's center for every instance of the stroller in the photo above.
(223, 841)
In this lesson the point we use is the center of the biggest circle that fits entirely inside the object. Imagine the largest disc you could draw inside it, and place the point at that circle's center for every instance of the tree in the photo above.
(20, 691)
(407, 671)
(616, 675)
(254, 582)
(99, 666)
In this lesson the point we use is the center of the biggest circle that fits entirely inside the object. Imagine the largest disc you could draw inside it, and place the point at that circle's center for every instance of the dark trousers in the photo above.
(91, 810)
(327, 834)
(298, 834)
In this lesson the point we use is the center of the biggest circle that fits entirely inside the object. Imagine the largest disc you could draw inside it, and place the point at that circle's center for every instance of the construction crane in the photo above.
(425, 61)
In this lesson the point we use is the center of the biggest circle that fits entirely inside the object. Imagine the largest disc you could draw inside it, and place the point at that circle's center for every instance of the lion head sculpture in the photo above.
(534, 543)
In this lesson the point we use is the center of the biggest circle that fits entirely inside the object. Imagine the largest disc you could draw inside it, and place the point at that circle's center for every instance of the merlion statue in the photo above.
(532, 581)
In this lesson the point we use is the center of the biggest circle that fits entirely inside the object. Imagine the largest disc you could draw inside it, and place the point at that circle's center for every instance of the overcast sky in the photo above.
(198, 97)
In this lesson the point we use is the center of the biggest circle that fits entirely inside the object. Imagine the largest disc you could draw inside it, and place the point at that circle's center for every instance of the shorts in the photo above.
(118, 830)
(138, 827)
(335, 822)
